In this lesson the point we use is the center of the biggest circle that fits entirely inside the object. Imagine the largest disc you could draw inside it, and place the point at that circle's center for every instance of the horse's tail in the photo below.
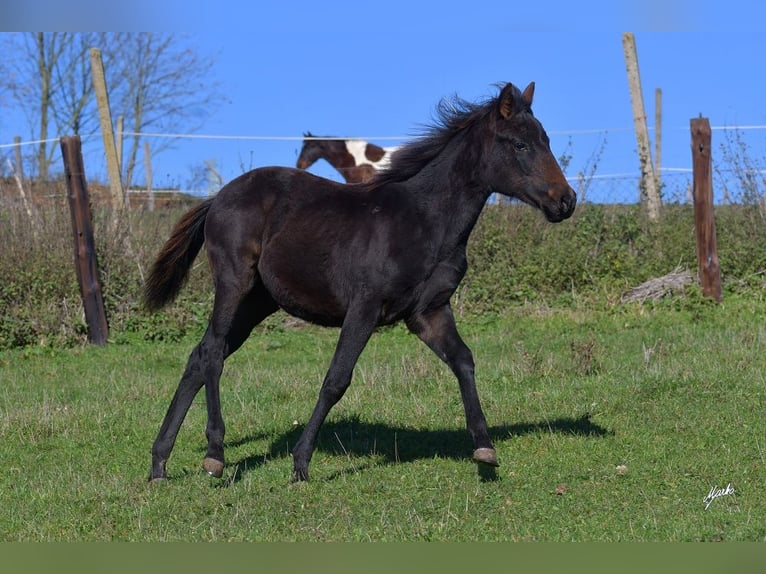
(171, 269)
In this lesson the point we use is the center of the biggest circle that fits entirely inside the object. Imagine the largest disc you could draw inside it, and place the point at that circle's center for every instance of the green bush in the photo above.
(515, 257)
(599, 253)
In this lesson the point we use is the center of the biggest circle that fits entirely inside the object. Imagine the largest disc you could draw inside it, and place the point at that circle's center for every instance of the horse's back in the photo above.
(287, 206)
(264, 195)
(268, 185)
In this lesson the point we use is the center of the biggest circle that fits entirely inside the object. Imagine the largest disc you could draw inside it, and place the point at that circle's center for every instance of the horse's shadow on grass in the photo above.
(388, 444)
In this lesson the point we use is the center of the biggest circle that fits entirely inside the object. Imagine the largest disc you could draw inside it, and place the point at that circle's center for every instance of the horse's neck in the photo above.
(336, 154)
(357, 150)
(366, 153)
(449, 193)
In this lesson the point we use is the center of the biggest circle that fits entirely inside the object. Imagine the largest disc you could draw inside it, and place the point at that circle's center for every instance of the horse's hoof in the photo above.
(486, 456)
(299, 476)
(213, 467)
(158, 479)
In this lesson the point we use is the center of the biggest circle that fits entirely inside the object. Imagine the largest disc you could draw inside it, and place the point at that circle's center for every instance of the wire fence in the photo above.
(601, 164)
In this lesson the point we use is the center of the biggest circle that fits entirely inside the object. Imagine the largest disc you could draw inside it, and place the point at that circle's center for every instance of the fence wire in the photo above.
(601, 165)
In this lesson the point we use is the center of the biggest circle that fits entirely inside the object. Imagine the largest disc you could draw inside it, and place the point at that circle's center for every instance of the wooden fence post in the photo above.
(84, 243)
(650, 195)
(107, 133)
(658, 137)
(148, 170)
(17, 157)
(119, 140)
(704, 220)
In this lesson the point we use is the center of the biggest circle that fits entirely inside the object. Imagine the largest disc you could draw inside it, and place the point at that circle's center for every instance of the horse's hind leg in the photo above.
(191, 382)
(437, 329)
(252, 310)
(233, 318)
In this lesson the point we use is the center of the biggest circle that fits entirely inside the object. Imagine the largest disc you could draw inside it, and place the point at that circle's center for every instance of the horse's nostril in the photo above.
(570, 200)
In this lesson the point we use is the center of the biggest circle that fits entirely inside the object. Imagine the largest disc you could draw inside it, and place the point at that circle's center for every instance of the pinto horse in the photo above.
(355, 257)
(356, 160)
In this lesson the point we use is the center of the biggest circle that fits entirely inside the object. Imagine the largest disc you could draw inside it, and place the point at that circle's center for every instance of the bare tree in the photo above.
(30, 84)
(168, 90)
(48, 79)
(73, 99)
(206, 176)
(47, 54)
(156, 81)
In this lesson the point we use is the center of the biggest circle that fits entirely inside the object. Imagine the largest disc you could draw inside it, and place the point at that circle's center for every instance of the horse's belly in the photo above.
(302, 289)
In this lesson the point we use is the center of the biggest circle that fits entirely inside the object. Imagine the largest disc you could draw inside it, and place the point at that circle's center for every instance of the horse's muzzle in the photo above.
(560, 210)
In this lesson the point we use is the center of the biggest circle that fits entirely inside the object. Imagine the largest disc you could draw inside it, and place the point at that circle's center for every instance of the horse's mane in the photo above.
(453, 115)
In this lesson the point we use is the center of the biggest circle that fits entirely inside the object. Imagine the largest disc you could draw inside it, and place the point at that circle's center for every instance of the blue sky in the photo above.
(354, 69)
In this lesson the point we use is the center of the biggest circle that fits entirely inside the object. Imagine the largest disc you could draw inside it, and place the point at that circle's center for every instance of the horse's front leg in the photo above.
(436, 328)
(356, 331)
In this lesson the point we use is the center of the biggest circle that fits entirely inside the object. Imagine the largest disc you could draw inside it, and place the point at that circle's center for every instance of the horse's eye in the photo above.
(519, 145)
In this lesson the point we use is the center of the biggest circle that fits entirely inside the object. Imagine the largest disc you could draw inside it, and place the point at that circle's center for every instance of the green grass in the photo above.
(610, 425)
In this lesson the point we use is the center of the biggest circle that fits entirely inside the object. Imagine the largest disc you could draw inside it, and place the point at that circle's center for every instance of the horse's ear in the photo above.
(528, 94)
(505, 101)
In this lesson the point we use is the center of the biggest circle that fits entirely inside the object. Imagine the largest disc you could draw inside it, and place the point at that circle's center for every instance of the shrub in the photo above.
(515, 257)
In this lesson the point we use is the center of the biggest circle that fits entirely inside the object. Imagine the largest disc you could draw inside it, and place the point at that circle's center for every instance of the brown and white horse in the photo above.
(355, 159)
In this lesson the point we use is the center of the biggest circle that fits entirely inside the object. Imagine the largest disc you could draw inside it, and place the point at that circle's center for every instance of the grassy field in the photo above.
(610, 425)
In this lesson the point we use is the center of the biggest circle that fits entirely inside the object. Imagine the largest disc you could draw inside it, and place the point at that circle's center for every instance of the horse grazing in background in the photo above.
(355, 257)
(356, 160)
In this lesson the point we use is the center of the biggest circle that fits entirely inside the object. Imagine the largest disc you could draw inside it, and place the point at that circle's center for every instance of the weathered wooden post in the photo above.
(650, 195)
(704, 220)
(84, 243)
(17, 157)
(148, 170)
(658, 138)
(107, 134)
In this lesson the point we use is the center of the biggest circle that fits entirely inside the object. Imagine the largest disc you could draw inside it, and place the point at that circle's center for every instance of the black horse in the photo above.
(355, 256)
